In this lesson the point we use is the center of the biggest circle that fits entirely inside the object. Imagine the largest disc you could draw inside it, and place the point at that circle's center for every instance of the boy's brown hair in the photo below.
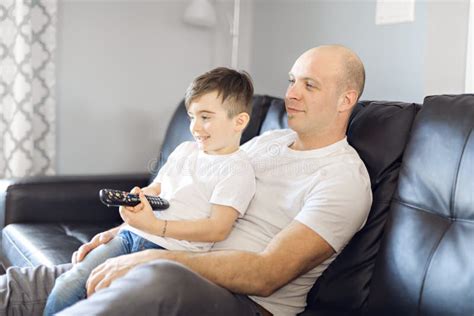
(231, 85)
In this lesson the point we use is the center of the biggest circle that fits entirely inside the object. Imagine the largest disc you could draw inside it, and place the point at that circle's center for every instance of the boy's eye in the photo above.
(204, 117)
(291, 81)
(190, 118)
(309, 85)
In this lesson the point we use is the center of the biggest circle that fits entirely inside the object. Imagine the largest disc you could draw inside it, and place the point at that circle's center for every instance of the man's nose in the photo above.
(293, 91)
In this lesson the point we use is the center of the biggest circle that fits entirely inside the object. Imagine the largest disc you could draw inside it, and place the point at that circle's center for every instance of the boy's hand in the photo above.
(140, 216)
(136, 208)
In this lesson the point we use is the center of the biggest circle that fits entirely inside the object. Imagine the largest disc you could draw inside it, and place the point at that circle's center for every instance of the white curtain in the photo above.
(470, 51)
(27, 87)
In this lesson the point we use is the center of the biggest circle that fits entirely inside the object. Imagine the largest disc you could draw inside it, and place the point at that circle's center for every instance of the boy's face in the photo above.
(213, 130)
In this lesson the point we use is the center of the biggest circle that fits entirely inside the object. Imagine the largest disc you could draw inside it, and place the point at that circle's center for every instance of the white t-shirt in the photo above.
(192, 181)
(326, 189)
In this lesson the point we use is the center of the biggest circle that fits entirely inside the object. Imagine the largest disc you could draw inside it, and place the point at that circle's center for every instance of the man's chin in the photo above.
(292, 122)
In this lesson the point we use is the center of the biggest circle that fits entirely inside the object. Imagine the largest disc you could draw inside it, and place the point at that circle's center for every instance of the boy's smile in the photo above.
(211, 127)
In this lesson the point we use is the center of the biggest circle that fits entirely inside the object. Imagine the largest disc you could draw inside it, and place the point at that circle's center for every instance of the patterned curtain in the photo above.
(27, 87)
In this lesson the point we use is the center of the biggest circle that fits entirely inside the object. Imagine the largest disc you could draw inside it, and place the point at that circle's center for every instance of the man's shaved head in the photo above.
(346, 64)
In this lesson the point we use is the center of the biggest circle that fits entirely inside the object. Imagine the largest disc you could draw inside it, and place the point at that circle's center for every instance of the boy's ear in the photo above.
(241, 121)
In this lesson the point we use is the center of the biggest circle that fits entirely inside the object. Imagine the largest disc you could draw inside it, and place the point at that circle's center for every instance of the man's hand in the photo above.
(140, 216)
(96, 241)
(103, 275)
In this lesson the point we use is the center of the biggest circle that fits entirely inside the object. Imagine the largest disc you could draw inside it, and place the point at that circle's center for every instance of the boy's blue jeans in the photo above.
(70, 287)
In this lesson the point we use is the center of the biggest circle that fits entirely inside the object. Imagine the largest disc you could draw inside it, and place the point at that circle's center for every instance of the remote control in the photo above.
(112, 197)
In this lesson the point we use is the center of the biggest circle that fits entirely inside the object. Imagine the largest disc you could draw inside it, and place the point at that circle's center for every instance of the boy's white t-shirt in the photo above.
(326, 189)
(192, 181)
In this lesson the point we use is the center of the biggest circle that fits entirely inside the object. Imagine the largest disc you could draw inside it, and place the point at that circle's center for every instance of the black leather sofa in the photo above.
(415, 255)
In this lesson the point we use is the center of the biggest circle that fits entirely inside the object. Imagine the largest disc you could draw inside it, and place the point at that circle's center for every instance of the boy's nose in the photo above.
(195, 126)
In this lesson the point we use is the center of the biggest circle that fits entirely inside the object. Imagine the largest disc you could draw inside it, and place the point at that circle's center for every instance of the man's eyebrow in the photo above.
(316, 80)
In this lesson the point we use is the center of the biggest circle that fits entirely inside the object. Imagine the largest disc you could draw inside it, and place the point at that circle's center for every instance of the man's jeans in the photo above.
(70, 287)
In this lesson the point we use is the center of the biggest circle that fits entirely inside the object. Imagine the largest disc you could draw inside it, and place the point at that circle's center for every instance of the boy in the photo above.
(209, 184)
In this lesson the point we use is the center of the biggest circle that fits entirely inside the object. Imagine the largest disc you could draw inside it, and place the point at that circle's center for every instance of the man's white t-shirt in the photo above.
(192, 181)
(326, 189)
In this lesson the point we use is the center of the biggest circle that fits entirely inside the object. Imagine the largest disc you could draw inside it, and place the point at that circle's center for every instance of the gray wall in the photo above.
(122, 68)
(123, 65)
(403, 61)
(446, 47)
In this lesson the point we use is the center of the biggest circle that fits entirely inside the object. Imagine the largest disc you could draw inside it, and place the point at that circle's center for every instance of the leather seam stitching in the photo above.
(453, 192)
(18, 249)
(420, 209)
(427, 268)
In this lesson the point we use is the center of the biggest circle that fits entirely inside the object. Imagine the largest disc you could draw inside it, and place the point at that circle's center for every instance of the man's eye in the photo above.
(309, 85)
(205, 117)
(291, 81)
(190, 118)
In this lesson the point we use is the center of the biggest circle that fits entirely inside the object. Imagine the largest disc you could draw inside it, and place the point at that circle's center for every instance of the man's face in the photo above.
(210, 125)
(313, 96)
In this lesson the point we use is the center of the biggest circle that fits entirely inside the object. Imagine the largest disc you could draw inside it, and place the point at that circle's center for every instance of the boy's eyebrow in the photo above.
(202, 111)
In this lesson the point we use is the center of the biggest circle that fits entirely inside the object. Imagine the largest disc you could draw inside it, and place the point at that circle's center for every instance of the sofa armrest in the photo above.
(61, 198)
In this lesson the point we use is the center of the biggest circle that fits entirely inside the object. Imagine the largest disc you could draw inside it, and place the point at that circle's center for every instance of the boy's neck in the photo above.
(228, 150)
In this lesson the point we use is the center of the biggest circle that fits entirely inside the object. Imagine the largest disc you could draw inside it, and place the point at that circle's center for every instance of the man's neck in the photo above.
(310, 142)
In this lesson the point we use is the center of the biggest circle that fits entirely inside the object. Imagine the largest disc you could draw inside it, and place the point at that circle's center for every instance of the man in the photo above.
(313, 194)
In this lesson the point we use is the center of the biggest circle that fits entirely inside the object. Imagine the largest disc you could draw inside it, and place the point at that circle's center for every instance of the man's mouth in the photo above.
(291, 110)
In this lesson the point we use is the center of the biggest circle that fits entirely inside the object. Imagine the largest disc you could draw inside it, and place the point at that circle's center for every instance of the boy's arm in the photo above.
(215, 228)
(153, 189)
(106, 236)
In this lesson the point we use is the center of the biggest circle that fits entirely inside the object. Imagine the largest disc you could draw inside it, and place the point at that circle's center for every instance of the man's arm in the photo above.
(294, 251)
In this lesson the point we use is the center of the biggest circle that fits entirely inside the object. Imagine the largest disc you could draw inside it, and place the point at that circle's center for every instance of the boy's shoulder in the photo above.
(186, 147)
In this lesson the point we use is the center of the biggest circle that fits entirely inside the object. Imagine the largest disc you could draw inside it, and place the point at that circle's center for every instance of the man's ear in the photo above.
(241, 121)
(348, 100)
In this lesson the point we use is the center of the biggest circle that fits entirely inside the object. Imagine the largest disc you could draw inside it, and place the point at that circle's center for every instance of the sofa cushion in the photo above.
(49, 244)
(379, 132)
(425, 265)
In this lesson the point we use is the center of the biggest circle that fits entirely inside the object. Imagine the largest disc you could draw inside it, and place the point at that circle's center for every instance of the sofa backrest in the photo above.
(425, 265)
(379, 131)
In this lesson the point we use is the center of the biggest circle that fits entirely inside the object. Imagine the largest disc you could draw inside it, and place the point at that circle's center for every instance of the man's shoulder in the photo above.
(269, 136)
(276, 133)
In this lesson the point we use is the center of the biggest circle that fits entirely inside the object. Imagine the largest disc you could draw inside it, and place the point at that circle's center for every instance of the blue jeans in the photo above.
(70, 287)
